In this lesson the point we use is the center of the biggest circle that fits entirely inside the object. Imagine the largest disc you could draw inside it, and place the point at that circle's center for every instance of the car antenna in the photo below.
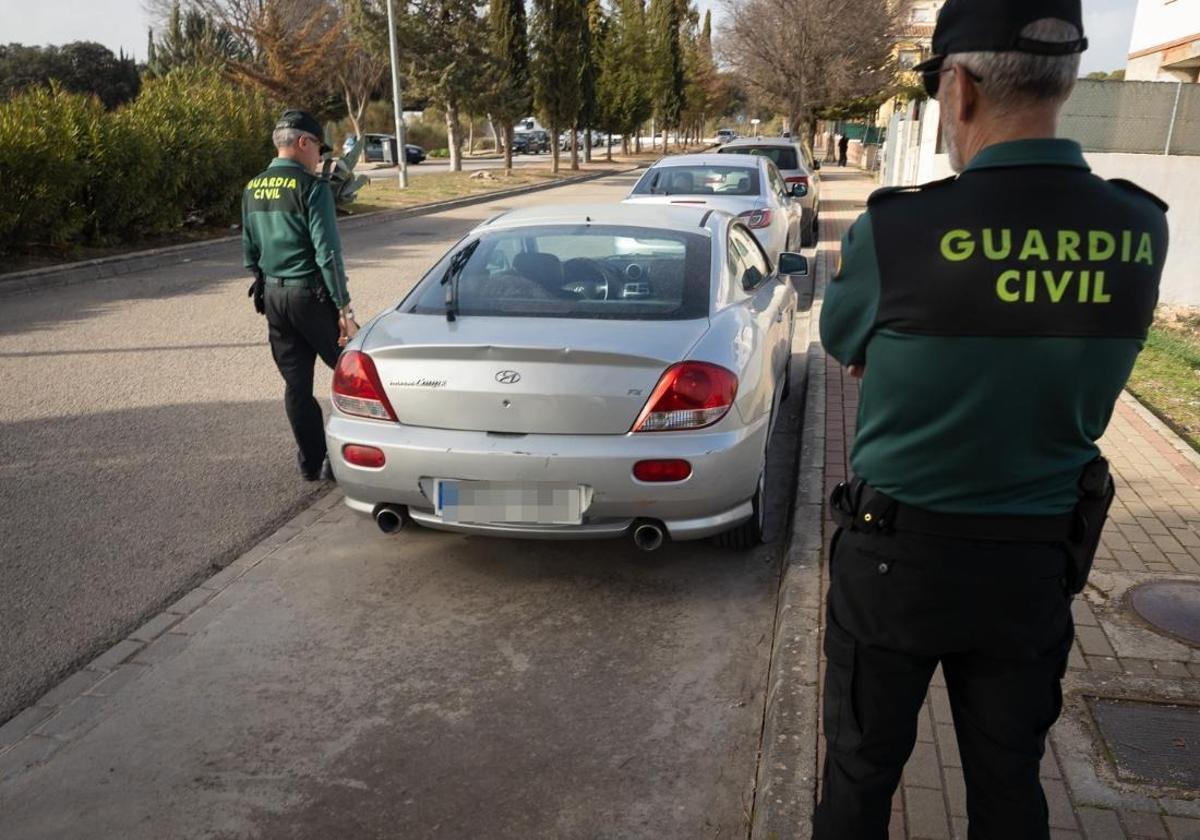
(450, 279)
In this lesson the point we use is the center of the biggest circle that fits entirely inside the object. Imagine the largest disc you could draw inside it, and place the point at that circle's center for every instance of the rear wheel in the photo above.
(808, 237)
(749, 533)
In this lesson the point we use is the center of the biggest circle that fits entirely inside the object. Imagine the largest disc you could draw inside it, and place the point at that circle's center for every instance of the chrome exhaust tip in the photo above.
(390, 518)
(648, 536)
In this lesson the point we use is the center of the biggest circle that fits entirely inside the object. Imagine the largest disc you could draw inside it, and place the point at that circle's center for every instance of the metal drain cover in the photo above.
(1171, 606)
(1154, 742)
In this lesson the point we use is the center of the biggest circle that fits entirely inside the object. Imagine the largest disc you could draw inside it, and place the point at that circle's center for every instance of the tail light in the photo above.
(690, 395)
(757, 218)
(363, 456)
(667, 469)
(798, 179)
(357, 389)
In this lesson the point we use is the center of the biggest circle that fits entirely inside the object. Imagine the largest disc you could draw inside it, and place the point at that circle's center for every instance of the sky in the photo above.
(122, 24)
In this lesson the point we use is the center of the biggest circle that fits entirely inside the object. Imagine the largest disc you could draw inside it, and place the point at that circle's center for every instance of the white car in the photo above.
(747, 186)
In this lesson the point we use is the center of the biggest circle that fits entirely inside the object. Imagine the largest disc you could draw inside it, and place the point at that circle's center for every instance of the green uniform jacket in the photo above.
(289, 228)
(998, 316)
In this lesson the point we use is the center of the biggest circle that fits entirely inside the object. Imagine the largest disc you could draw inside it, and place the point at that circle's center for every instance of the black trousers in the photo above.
(997, 618)
(302, 327)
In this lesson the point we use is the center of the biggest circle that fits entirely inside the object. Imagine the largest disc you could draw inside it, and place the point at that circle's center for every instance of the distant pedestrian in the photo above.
(994, 318)
(290, 244)
(843, 150)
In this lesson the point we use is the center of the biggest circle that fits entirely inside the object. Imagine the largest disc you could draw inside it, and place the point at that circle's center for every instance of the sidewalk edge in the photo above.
(71, 274)
(1155, 422)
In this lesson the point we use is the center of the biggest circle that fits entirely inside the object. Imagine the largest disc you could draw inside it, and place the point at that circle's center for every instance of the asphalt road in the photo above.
(143, 438)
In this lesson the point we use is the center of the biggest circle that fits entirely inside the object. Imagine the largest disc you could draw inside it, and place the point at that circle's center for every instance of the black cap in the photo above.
(995, 26)
(305, 122)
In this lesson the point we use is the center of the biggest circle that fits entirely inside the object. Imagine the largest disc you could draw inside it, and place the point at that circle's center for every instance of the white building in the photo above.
(1165, 46)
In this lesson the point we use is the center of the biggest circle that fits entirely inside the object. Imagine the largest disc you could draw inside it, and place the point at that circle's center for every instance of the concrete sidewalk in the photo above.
(1153, 535)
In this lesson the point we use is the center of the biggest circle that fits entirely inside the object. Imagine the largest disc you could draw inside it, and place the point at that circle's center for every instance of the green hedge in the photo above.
(180, 153)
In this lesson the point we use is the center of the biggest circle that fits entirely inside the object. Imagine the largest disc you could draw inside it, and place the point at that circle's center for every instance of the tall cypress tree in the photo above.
(511, 96)
(666, 21)
(557, 38)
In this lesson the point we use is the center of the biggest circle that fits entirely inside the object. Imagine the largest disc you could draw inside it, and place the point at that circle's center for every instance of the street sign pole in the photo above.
(400, 150)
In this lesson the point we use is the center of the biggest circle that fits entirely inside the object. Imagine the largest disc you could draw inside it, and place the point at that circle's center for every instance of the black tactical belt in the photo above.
(292, 282)
(858, 507)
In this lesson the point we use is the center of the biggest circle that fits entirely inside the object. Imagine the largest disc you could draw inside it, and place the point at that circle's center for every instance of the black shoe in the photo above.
(326, 471)
(309, 475)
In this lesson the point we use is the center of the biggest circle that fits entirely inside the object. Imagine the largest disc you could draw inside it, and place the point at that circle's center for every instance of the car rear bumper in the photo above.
(725, 470)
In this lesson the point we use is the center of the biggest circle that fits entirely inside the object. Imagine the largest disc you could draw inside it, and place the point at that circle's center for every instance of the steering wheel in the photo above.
(588, 278)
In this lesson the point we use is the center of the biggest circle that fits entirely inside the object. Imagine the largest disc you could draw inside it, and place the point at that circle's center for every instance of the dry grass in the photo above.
(1167, 375)
(384, 193)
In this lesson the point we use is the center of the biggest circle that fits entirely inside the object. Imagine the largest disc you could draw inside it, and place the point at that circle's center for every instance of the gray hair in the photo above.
(285, 138)
(1014, 79)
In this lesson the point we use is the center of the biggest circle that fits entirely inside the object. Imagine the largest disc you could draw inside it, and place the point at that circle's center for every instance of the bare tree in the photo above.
(801, 55)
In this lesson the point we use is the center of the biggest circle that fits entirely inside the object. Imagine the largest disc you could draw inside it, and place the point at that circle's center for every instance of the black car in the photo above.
(374, 148)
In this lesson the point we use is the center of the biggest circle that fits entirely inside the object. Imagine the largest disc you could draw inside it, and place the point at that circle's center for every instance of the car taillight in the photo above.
(798, 179)
(667, 469)
(690, 395)
(363, 456)
(757, 218)
(357, 389)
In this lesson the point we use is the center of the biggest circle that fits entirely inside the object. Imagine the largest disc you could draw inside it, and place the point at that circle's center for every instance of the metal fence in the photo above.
(1135, 117)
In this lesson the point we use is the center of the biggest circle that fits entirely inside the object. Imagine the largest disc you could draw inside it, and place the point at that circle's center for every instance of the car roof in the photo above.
(712, 159)
(762, 141)
(665, 217)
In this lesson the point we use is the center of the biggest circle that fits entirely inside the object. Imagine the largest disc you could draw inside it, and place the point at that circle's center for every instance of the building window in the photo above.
(909, 59)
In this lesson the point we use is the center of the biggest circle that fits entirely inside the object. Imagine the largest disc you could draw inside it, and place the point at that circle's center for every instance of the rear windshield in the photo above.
(784, 156)
(698, 180)
(575, 271)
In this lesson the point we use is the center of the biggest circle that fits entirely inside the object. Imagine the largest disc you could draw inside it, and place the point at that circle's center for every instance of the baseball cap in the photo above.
(306, 122)
(995, 26)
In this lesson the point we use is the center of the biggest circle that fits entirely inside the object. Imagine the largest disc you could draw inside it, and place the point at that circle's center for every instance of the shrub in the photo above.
(440, 153)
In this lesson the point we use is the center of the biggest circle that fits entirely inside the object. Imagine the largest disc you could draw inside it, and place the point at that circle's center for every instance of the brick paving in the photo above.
(1153, 533)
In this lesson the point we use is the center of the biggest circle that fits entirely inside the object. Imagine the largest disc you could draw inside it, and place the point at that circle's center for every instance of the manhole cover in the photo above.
(1154, 742)
(1171, 606)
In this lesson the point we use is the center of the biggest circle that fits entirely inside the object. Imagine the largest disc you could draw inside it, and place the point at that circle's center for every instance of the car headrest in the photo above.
(544, 269)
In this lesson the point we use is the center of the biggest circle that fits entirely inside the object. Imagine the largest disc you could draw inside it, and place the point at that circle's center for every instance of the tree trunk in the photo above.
(454, 138)
(587, 146)
(653, 132)
(574, 151)
(609, 147)
(554, 149)
(470, 135)
(508, 141)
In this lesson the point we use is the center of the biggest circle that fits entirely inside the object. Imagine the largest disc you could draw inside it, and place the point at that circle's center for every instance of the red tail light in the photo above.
(357, 389)
(690, 395)
(756, 218)
(363, 456)
(668, 469)
(798, 179)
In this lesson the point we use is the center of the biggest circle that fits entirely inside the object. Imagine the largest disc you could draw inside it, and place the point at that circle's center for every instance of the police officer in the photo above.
(290, 243)
(994, 318)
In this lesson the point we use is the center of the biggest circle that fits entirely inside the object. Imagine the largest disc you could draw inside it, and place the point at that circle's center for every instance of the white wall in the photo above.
(1158, 23)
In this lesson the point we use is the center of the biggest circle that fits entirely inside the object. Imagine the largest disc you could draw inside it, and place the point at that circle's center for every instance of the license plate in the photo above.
(508, 502)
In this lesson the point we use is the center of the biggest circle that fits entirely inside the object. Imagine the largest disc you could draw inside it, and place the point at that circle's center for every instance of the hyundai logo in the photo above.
(508, 377)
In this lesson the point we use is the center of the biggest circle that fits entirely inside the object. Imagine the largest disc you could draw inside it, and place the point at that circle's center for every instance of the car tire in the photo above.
(749, 533)
(808, 236)
(787, 380)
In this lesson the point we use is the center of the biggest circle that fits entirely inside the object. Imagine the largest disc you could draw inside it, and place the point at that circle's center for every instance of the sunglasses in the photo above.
(932, 79)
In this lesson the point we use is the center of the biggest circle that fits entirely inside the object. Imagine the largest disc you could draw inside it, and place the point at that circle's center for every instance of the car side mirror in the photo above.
(792, 263)
(799, 190)
(752, 278)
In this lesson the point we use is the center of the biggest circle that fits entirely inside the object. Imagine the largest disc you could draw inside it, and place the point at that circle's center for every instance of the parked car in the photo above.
(797, 166)
(573, 372)
(748, 186)
(599, 140)
(531, 142)
(724, 135)
(373, 151)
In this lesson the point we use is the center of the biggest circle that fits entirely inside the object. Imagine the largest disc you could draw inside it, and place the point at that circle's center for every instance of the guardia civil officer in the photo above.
(994, 318)
(290, 243)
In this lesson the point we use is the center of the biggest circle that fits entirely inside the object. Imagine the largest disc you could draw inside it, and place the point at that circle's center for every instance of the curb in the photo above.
(70, 708)
(100, 268)
(785, 790)
(1155, 422)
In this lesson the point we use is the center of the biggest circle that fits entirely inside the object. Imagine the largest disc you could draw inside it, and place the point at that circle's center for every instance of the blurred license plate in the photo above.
(508, 502)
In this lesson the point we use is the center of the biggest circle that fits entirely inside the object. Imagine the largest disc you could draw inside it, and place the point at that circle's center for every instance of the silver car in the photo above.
(573, 372)
(797, 166)
(748, 186)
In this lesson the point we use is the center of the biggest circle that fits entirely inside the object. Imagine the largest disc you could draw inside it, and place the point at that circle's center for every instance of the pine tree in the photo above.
(666, 24)
(509, 94)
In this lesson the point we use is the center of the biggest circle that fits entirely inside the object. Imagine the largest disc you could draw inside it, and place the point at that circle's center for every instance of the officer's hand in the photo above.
(347, 327)
(257, 291)
(856, 371)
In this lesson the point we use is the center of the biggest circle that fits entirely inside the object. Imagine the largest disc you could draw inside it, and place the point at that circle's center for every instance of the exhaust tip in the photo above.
(648, 536)
(389, 518)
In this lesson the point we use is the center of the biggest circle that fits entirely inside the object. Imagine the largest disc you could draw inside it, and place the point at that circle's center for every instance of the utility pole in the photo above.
(400, 150)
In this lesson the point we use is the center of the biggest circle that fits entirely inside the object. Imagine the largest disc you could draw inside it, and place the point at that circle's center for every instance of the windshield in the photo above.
(783, 156)
(698, 180)
(575, 271)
